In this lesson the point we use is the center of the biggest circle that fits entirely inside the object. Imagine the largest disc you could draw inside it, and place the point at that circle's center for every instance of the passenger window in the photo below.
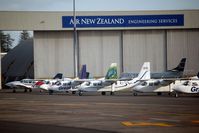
(87, 83)
(186, 83)
(194, 84)
(100, 84)
(150, 84)
(157, 83)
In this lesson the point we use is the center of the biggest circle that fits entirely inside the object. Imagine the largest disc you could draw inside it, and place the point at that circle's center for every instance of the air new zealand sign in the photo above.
(123, 21)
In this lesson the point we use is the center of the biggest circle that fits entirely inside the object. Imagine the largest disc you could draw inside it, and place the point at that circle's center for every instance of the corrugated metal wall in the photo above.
(144, 45)
(183, 43)
(98, 49)
(53, 53)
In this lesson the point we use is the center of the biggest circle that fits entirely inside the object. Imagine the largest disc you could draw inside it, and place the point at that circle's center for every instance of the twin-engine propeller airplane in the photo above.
(112, 84)
(189, 86)
(94, 85)
(165, 78)
(29, 84)
(65, 84)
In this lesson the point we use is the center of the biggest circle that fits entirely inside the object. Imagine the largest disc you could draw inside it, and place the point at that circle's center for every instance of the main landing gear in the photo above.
(103, 93)
(80, 93)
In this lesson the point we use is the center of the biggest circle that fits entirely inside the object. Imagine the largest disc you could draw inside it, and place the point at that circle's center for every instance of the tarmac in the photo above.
(93, 113)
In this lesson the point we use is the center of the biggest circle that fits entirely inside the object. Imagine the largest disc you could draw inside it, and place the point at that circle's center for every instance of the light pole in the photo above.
(75, 44)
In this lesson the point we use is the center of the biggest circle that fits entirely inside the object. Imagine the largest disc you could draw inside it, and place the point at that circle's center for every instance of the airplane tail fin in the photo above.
(58, 76)
(82, 74)
(180, 66)
(145, 72)
(112, 72)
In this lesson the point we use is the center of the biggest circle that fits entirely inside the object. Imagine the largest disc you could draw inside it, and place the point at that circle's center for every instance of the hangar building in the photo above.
(126, 37)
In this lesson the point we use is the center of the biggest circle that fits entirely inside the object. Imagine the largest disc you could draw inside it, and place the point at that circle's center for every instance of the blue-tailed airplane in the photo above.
(160, 79)
(66, 84)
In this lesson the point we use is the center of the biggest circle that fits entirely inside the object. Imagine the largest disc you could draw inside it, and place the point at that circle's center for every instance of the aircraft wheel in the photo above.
(25, 90)
(80, 93)
(50, 92)
(176, 95)
(14, 91)
(135, 94)
(159, 93)
(30, 90)
(73, 92)
(103, 93)
(112, 93)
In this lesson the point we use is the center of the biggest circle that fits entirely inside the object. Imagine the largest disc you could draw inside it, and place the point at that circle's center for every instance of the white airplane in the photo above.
(153, 85)
(28, 84)
(65, 84)
(190, 86)
(128, 85)
(115, 85)
(94, 85)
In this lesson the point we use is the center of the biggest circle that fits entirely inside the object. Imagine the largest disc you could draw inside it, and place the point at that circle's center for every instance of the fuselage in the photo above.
(190, 86)
(167, 74)
(27, 83)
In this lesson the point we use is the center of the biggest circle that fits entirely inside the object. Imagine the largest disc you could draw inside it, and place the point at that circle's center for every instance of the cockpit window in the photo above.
(144, 84)
(87, 83)
(186, 83)
(57, 83)
(150, 84)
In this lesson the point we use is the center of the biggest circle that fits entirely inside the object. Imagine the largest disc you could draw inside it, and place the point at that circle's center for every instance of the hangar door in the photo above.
(53, 53)
(98, 49)
(183, 43)
(144, 45)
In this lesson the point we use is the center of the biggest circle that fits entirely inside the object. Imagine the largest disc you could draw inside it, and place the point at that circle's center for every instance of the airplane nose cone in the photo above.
(7, 84)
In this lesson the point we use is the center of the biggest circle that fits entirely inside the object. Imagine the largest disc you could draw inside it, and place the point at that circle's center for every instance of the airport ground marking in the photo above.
(141, 124)
(195, 121)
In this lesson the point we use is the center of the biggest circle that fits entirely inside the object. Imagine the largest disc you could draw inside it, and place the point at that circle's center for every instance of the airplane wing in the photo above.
(80, 81)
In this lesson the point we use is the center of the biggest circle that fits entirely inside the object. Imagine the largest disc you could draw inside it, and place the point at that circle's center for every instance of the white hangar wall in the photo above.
(144, 45)
(53, 53)
(183, 43)
(98, 49)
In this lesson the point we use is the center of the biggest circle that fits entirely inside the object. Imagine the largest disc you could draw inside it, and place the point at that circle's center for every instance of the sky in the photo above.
(97, 5)
(93, 5)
